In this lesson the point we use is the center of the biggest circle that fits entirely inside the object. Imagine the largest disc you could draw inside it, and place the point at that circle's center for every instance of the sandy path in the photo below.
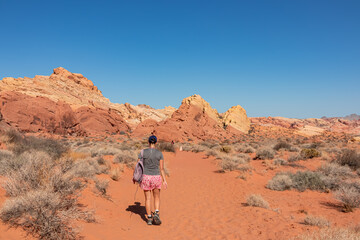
(203, 204)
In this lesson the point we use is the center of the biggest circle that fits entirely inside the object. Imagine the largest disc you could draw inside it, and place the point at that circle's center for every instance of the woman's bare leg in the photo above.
(147, 194)
(156, 194)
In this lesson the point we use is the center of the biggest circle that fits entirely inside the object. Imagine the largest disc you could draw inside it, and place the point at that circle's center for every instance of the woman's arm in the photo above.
(162, 171)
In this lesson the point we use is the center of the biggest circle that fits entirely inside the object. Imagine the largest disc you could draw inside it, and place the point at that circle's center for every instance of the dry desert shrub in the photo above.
(213, 152)
(87, 168)
(282, 145)
(115, 174)
(6, 161)
(303, 180)
(126, 157)
(209, 144)
(166, 147)
(294, 158)
(308, 153)
(316, 221)
(279, 161)
(225, 149)
(255, 200)
(189, 147)
(44, 214)
(231, 163)
(280, 182)
(350, 158)
(349, 196)
(331, 234)
(13, 136)
(265, 153)
(101, 186)
(249, 150)
(335, 170)
(52, 147)
(43, 196)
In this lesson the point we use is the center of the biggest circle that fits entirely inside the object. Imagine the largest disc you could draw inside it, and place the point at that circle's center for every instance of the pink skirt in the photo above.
(150, 182)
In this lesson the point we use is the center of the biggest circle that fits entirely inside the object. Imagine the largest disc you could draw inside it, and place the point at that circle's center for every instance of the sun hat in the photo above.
(152, 139)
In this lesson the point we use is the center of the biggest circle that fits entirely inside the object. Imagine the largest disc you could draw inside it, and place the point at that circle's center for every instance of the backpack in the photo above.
(139, 169)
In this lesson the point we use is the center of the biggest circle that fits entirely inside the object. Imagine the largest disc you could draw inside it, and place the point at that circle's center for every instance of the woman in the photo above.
(153, 178)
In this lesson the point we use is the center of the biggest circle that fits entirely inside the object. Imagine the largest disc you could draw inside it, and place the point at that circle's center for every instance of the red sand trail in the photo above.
(201, 203)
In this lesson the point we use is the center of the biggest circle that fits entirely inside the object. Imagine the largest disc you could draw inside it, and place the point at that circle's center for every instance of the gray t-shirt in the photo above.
(152, 159)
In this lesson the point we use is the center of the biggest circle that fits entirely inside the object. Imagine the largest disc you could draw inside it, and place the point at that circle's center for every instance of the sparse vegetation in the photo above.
(331, 234)
(279, 161)
(126, 157)
(350, 158)
(101, 186)
(301, 181)
(282, 145)
(115, 174)
(265, 153)
(166, 147)
(335, 170)
(308, 153)
(349, 196)
(43, 190)
(316, 221)
(280, 182)
(255, 200)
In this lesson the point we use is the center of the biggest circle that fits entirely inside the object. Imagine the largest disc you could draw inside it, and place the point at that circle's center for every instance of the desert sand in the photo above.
(201, 203)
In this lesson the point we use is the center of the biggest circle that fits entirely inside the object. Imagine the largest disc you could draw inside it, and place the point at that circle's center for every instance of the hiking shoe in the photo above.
(157, 220)
(150, 221)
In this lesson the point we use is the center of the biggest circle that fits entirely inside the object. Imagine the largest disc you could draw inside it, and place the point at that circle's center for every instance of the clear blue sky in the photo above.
(291, 58)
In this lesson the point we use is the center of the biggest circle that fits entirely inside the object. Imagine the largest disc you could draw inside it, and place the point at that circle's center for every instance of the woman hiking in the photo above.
(153, 178)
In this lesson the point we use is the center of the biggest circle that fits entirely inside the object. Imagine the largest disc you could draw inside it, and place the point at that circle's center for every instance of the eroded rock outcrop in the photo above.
(40, 114)
(194, 120)
(78, 91)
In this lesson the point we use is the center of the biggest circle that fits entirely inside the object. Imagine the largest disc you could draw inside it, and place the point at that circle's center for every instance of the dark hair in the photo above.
(152, 139)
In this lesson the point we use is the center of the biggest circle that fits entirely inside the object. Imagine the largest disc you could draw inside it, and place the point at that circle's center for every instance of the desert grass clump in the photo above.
(308, 153)
(225, 149)
(349, 196)
(350, 158)
(335, 170)
(303, 180)
(13, 136)
(279, 161)
(294, 158)
(87, 168)
(101, 186)
(280, 182)
(52, 147)
(316, 221)
(331, 234)
(6, 161)
(282, 145)
(255, 200)
(166, 147)
(229, 164)
(43, 196)
(190, 147)
(265, 153)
